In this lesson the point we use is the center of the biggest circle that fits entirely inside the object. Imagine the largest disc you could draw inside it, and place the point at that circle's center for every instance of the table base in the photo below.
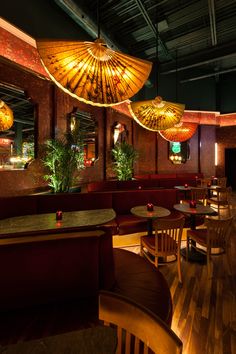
(193, 255)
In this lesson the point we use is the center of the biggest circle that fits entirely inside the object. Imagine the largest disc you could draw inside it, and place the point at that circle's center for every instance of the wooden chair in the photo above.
(221, 200)
(203, 182)
(214, 236)
(165, 242)
(199, 194)
(222, 182)
(138, 329)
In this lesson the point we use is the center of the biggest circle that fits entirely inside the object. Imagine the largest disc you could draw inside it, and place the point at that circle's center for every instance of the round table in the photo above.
(184, 189)
(193, 212)
(158, 212)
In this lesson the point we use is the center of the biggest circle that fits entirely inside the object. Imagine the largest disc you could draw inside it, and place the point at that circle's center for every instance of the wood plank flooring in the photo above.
(204, 310)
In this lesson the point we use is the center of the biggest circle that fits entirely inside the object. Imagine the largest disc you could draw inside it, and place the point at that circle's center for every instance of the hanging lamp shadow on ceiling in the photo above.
(156, 114)
(92, 72)
(180, 132)
(6, 116)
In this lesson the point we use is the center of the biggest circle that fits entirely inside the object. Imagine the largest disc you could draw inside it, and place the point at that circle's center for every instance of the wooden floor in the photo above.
(205, 309)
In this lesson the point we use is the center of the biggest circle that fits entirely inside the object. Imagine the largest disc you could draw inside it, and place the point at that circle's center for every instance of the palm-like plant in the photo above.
(124, 155)
(64, 158)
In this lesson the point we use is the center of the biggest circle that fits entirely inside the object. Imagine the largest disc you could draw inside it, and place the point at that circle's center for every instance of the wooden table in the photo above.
(96, 340)
(158, 212)
(46, 223)
(193, 212)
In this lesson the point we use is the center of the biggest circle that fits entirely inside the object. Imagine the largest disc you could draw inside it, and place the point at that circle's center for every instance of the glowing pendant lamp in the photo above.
(180, 132)
(6, 116)
(93, 73)
(156, 114)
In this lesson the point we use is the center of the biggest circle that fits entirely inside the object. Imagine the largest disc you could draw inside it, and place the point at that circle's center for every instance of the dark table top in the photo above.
(199, 210)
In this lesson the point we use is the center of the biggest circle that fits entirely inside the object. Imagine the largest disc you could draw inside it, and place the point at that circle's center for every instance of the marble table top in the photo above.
(199, 210)
(183, 188)
(42, 223)
(158, 212)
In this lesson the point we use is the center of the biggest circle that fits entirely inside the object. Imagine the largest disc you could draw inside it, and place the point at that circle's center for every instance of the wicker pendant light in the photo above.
(156, 114)
(93, 73)
(180, 132)
(6, 116)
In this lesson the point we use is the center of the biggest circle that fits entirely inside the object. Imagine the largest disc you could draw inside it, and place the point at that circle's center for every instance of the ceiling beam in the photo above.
(200, 77)
(218, 52)
(84, 21)
(152, 28)
(211, 6)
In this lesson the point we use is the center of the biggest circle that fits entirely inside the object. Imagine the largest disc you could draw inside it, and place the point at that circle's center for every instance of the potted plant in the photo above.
(64, 159)
(124, 156)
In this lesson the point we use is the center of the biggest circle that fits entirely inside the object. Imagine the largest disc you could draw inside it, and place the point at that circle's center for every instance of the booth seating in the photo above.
(38, 269)
(120, 201)
(60, 276)
(148, 181)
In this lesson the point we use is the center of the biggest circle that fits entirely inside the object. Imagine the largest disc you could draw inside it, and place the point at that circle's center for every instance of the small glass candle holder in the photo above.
(186, 185)
(208, 184)
(149, 207)
(59, 215)
(192, 204)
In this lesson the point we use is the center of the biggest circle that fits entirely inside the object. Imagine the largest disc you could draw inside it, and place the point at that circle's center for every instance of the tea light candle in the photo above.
(192, 204)
(186, 185)
(59, 215)
(149, 207)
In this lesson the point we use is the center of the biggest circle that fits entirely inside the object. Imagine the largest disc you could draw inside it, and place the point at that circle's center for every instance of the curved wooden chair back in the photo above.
(199, 194)
(215, 236)
(222, 182)
(221, 199)
(138, 329)
(168, 234)
(218, 232)
(166, 241)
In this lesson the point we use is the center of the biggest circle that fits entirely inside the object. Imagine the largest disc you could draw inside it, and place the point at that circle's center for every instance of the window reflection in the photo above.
(17, 143)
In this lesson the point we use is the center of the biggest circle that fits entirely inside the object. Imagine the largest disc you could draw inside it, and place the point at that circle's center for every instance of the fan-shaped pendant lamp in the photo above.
(93, 73)
(180, 132)
(6, 116)
(156, 114)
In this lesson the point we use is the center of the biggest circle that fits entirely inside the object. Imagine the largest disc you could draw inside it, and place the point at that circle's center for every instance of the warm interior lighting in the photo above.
(216, 154)
(156, 114)
(180, 132)
(93, 73)
(6, 116)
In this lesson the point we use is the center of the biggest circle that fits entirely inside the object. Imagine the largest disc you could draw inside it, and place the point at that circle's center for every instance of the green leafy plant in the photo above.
(125, 156)
(64, 159)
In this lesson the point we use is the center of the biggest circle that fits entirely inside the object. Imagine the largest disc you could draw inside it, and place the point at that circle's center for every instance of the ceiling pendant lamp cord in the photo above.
(98, 17)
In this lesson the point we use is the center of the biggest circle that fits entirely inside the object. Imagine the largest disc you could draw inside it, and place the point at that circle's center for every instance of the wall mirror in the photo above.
(178, 153)
(119, 133)
(17, 142)
(88, 127)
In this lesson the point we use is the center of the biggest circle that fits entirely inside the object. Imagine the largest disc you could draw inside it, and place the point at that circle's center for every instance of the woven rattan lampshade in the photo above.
(179, 133)
(93, 73)
(156, 114)
(6, 116)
